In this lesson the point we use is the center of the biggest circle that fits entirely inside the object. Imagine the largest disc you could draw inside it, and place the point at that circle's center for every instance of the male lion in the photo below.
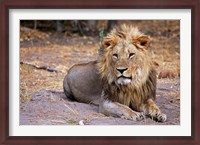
(122, 81)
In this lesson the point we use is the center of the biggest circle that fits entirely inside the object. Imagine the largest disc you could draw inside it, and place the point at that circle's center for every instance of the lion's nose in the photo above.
(121, 70)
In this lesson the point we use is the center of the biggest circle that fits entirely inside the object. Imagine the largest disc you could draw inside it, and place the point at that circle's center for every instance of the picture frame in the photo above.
(89, 4)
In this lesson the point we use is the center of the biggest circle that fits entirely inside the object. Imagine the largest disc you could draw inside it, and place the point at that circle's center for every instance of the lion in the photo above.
(122, 81)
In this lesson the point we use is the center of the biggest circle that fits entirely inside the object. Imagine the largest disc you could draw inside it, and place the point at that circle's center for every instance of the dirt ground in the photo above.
(45, 58)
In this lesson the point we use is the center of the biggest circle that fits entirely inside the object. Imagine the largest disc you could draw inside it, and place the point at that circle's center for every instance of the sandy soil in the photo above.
(42, 101)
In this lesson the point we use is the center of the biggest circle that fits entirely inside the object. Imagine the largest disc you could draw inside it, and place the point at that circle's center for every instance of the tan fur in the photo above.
(122, 81)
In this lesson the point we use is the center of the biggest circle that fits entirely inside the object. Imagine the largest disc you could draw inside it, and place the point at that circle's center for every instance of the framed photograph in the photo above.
(100, 72)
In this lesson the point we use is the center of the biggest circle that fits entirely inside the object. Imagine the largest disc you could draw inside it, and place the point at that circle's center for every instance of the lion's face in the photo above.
(125, 56)
(122, 59)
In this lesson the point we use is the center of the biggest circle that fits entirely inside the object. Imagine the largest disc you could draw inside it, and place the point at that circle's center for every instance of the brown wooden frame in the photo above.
(6, 5)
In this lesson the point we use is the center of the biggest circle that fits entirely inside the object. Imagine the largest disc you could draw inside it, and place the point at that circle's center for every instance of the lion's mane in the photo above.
(143, 86)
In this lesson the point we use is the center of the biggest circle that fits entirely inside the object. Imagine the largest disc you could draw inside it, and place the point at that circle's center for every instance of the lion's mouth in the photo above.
(123, 80)
(124, 77)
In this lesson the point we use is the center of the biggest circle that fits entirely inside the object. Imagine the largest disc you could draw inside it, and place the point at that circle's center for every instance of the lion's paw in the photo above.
(139, 116)
(158, 116)
(161, 117)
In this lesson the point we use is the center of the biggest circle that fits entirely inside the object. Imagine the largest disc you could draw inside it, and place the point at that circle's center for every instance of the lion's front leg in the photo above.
(115, 109)
(151, 109)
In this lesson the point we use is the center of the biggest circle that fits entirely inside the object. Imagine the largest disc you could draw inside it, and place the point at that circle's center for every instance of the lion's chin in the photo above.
(123, 81)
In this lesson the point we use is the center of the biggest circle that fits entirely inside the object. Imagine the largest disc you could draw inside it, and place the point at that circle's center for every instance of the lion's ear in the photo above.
(107, 42)
(142, 41)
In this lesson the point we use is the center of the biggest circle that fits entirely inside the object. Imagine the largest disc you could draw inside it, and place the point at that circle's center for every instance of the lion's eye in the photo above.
(131, 55)
(115, 55)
